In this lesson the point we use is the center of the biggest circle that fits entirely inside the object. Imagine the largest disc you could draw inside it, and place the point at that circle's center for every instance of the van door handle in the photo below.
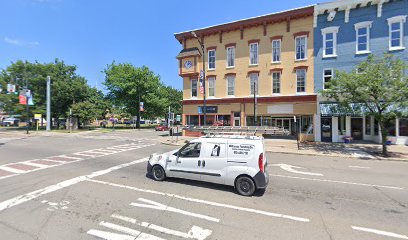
(199, 163)
(203, 163)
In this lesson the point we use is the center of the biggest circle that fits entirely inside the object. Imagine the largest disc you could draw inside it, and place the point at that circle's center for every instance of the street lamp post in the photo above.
(204, 98)
(255, 102)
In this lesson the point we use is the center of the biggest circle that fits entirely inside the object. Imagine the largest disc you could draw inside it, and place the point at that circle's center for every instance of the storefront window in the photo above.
(403, 127)
(342, 125)
(250, 121)
(307, 124)
(390, 127)
(192, 120)
(368, 125)
(223, 120)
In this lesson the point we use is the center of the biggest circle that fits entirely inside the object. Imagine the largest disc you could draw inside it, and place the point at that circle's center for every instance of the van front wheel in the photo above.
(158, 173)
(245, 186)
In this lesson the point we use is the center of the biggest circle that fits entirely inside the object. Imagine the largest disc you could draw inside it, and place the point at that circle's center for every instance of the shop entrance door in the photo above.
(237, 119)
(357, 128)
(326, 129)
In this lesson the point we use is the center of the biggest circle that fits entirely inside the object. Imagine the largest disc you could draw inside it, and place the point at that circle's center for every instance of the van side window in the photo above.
(191, 150)
(215, 150)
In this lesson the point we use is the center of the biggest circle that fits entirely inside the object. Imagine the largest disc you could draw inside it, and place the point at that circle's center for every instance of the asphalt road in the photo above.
(94, 186)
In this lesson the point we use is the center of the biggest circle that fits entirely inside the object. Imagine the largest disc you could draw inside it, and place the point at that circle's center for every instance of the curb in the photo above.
(170, 143)
(357, 158)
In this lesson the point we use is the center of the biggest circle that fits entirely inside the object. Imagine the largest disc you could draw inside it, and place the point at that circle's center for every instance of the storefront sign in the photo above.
(210, 109)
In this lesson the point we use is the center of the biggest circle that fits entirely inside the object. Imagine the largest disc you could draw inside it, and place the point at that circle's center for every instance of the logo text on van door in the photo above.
(241, 149)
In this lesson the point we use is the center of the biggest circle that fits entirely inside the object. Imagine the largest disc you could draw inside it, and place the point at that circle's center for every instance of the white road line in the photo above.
(109, 235)
(69, 157)
(158, 206)
(379, 232)
(132, 232)
(35, 164)
(194, 233)
(10, 169)
(359, 167)
(7, 176)
(342, 182)
(270, 214)
(291, 169)
(83, 154)
(40, 192)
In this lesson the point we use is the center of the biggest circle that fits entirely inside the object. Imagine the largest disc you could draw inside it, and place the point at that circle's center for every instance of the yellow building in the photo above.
(271, 55)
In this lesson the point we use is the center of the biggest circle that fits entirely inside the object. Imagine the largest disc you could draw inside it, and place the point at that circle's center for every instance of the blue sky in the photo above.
(93, 33)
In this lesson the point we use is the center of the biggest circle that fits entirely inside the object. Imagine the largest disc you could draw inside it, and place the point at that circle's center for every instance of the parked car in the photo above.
(162, 127)
(237, 161)
(8, 122)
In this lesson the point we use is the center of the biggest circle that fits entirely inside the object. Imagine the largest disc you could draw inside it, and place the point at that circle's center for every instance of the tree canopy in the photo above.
(380, 84)
(126, 84)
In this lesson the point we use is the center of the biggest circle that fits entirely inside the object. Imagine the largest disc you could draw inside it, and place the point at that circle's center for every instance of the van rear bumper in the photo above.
(261, 180)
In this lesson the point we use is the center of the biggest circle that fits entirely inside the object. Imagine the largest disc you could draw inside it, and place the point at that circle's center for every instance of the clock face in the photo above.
(188, 64)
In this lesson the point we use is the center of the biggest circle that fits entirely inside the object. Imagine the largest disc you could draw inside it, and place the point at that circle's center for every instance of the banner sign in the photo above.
(210, 109)
(141, 107)
(37, 116)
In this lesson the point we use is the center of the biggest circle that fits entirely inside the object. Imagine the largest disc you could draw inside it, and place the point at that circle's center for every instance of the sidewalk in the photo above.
(359, 151)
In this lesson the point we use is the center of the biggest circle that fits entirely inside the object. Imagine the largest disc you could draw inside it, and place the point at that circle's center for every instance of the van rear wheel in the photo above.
(245, 186)
(158, 173)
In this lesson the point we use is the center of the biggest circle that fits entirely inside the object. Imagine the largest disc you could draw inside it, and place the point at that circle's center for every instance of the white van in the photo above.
(237, 161)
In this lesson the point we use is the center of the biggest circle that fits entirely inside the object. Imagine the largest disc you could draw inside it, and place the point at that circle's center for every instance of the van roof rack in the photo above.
(251, 137)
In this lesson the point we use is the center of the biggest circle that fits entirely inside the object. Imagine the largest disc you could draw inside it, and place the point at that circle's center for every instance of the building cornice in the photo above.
(248, 23)
(345, 5)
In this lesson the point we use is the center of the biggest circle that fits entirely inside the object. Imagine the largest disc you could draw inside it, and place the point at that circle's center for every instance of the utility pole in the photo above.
(48, 103)
(138, 111)
(204, 97)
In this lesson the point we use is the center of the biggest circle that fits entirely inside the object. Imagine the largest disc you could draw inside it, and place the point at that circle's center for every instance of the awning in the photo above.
(337, 109)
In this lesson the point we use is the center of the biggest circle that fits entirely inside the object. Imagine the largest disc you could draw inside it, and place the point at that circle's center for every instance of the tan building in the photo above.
(271, 55)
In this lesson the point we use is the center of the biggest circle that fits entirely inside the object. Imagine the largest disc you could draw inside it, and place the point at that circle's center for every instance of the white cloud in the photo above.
(18, 42)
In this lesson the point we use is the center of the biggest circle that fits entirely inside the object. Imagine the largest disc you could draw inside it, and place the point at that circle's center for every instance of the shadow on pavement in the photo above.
(213, 186)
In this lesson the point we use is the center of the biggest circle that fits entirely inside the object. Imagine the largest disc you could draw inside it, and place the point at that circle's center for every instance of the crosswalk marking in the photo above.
(10, 169)
(132, 232)
(17, 168)
(36, 164)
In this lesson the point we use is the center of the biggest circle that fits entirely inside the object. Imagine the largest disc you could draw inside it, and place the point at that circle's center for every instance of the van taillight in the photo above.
(261, 162)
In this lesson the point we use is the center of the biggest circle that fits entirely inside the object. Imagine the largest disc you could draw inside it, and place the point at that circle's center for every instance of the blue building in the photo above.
(346, 32)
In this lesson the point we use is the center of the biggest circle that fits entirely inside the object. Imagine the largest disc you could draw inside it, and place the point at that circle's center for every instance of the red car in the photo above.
(162, 127)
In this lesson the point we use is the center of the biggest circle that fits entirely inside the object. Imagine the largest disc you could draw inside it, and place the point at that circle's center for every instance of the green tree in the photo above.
(127, 84)
(67, 87)
(380, 85)
(95, 106)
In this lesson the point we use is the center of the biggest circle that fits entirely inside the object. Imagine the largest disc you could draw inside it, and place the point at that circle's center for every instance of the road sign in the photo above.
(37, 116)
(178, 118)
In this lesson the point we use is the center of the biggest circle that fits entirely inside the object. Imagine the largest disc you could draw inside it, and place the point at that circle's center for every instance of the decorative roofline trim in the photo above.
(249, 22)
(395, 19)
(212, 48)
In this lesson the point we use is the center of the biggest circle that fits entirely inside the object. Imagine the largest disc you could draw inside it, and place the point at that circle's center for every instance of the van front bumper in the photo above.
(261, 180)
(149, 168)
